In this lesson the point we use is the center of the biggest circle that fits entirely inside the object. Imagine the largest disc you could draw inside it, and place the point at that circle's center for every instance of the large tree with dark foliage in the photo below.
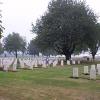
(14, 43)
(32, 48)
(64, 26)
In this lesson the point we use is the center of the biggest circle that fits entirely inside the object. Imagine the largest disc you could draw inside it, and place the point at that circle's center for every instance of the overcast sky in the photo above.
(19, 14)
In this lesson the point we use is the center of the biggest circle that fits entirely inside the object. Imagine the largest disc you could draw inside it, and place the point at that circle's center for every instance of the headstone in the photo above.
(40, 62)
(68, 62)
(5, 65)
(62, 63)
(75, 72)
(93, 67)
(86, 70)
(44, 64)
(98, 69)
(54, 63)
(40, 54)
(31, 66)
(21, 63)
(93, 72)
(78, 62)
(36, 64)
(1, 63)
(50, 62)
(5, 68)
(15, 66)
(73, 62)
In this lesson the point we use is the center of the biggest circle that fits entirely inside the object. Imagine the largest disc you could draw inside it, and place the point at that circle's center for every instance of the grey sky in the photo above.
(19, 14)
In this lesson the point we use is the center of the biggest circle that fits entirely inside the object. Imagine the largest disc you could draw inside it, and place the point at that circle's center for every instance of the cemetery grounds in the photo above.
(48, 84)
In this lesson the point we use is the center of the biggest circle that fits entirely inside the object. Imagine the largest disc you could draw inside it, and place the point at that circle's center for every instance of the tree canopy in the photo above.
(14, 43)
(1, 27)
(32, 48)
(64, 26)
(1, 49)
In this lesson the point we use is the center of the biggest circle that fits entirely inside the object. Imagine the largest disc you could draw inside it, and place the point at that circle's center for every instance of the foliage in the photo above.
(1, 27)
(1, 49)
(92, 39)
(14, 43)
(64, 26)
(32, 48)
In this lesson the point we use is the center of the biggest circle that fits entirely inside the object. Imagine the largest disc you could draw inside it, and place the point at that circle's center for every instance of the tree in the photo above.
(32, 48)
(1, 49)
(14, 43)
(64, 26)
(1, 27)
(92, 40)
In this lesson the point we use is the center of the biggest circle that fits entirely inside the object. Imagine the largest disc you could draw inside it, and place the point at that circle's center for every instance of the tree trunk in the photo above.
(68, 56)
(16, 54)
(93, 57)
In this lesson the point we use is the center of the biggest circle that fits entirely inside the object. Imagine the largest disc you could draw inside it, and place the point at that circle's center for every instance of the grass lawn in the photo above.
(48, 84)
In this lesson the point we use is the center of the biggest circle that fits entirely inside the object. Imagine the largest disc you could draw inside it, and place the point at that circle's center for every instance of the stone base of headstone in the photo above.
(86, 73)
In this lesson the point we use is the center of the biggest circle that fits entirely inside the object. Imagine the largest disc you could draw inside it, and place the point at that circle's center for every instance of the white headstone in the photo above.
(93, 67)
(98, 69)
(86, 70)
(5, 65)
(68, 62)
(75, 72)
(31, 67)
(54, 63)
(78, 62)
(62, 63)
(73, 62)
(36, 63)
(44, 64)
(93, 72)
(40, 54)
(15, 65)
(21, 63)
(0, 62)
(50, 62)
(5, 68)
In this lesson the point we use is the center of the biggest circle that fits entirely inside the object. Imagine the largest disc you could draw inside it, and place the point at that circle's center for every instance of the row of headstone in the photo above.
(29, 64)
(92, 72)
(73, 62)
(6, 64)
(43, 62)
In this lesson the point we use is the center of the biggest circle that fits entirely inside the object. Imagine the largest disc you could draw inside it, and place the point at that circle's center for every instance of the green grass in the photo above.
(48, 84)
